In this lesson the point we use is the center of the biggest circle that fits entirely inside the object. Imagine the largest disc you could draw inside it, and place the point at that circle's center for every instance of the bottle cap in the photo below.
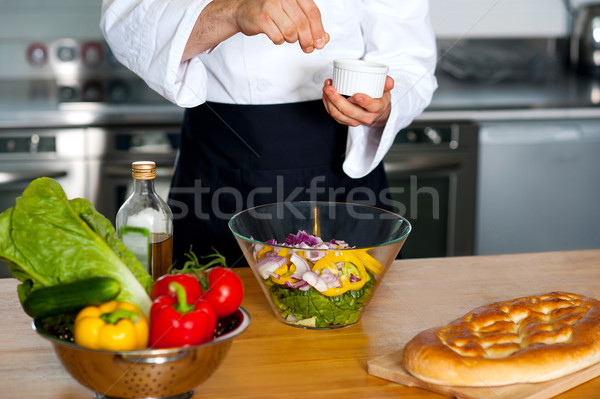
(143, 170)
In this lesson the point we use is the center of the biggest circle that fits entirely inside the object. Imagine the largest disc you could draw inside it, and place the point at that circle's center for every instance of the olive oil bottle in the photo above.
(145, 222)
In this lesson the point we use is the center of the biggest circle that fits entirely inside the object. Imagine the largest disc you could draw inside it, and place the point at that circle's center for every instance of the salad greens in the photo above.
(48, 240)
(314, 309)
(314, 283)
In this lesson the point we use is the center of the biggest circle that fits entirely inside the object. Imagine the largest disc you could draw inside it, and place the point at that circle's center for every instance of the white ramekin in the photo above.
(359, 76)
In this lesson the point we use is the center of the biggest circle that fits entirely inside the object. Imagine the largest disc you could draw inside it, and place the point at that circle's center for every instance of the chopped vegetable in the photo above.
(112, 326)
(316, 283)
(50, 240)
(321, 310)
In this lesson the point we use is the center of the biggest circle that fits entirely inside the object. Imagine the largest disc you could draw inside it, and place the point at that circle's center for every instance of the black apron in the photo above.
(233, 157)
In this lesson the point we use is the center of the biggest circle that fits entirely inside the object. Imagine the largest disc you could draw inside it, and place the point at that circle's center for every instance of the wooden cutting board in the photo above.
(436, 296)
(390, 368)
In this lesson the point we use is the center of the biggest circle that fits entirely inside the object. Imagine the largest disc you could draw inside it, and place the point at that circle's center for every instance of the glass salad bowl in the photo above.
(319, 263)
(171, 373)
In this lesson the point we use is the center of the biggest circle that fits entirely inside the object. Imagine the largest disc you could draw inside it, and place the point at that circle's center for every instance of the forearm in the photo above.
(215, 24)
(281, 20)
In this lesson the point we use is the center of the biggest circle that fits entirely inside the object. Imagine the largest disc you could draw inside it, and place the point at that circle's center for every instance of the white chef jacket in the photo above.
(149, 37)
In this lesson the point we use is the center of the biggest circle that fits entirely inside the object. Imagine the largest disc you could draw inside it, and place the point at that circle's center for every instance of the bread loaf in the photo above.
(529, 339)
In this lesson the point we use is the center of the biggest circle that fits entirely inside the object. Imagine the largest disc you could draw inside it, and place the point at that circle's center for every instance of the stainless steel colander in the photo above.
(159, 373)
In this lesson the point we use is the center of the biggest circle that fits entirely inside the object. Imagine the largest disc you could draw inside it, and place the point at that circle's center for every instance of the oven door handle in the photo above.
(8, 178)
(410, 165)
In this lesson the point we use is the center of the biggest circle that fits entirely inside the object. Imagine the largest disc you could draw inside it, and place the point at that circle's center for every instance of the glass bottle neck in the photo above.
(143, 186)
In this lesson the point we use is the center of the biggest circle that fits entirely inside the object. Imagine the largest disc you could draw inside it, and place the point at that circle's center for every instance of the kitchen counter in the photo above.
(564, 96)
(272, 360)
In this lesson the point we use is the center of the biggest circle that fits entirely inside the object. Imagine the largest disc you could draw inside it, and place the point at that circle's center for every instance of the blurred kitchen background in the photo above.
(505, 160)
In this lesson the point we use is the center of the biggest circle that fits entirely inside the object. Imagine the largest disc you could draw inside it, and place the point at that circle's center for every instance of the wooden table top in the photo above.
(272, 360)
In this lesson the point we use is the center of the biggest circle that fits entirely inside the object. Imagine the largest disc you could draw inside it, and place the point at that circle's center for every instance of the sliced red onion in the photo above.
(269, 264)
(340, 243)
(301, 265)
(313, 255)
(310, 277)
(298, 284)
(353, 278)
(257, 248)
(304, 287)
(314, 280)
(330, 279)
(277, 276)
(302, 237)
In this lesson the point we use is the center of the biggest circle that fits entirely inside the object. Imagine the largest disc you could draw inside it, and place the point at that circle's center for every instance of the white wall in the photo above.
(46, 19)
(581, 3)
(499, 18)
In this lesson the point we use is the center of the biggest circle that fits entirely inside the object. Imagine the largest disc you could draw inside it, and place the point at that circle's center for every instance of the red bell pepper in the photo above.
(190, 283)
(174, 322)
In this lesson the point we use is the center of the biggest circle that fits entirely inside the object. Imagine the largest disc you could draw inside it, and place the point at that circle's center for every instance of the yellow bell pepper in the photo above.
(284, 252)
(370, 263)
(286, 270)
(330, 262)
(114, 326)
(263, 252)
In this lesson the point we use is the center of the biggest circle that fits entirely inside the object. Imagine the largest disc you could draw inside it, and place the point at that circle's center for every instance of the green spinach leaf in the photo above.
(338, 310)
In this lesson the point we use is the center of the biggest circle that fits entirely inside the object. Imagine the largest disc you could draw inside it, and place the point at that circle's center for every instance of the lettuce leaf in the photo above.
(327, 311)
(48, 240)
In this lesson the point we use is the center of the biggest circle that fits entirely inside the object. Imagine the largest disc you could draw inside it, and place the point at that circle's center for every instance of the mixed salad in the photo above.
(315, 283)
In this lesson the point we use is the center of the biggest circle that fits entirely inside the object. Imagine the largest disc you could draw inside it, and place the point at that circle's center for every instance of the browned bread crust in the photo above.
(529, 339)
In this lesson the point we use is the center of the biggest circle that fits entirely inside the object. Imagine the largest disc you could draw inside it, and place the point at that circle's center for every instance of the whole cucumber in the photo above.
(71, 297)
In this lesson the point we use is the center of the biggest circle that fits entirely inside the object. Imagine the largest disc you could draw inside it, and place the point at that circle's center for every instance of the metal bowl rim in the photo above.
(245, 322)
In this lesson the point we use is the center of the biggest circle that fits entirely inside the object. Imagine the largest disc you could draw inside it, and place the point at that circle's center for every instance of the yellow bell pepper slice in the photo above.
(114, 326)
(330, 262)
(263, 252)
(370, 263)
(284, 252)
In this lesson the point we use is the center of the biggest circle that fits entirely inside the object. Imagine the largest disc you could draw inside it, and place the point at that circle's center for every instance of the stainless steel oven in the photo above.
(26, 154)
(432, 172)
(113, 149)
(70, 111)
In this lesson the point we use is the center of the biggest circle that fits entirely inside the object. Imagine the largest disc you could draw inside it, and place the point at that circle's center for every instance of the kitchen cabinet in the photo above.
(538, 186)
(537, 160)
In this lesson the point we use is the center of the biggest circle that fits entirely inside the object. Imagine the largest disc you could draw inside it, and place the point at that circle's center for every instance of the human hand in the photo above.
(360, 109)
(283, 21)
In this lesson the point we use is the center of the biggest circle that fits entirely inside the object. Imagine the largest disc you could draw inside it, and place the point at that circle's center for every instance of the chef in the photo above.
(263, 122)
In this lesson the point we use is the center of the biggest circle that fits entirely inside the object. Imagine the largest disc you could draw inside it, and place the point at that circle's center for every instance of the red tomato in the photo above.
(225, 291)
(192, 286)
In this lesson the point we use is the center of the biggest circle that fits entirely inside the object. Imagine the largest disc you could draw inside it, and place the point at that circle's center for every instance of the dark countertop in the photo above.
(564, 96)
(37, 104)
